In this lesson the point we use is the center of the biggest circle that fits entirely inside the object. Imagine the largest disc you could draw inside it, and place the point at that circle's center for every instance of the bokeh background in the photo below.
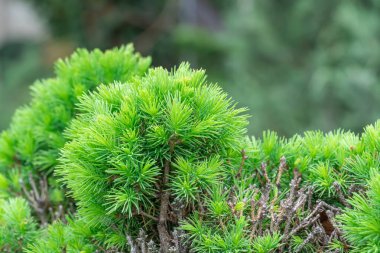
(296, 64)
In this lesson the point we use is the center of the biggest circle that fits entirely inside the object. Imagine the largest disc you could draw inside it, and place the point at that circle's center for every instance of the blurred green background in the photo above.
(296, 64)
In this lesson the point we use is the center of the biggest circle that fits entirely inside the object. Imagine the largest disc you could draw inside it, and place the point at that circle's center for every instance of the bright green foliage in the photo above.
(35, 133)
(225, 224)
(17, 226)
(136, 147)
(152, 154)
(330, 164)
(296, 241)
(3, 186)
(208, 239)
(58, 237)
(32, 142)
(362, 222)
(233, 236)
(267, 243)
(322, 159)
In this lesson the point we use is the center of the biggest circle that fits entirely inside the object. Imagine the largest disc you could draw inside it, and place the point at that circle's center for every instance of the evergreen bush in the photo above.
(142, 155)
(157, 161)
(30, 147)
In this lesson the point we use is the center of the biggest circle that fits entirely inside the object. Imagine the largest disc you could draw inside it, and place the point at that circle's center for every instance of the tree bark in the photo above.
(165, 238)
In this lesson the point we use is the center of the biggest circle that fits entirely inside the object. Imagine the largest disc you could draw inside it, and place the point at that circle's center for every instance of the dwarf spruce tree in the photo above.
(29, 148)
(157, 161)
(143, 154)
(34, 136)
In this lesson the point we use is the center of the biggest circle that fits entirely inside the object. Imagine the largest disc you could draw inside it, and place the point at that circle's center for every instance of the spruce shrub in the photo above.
(157, 161)
(142, 155)
(29, 148)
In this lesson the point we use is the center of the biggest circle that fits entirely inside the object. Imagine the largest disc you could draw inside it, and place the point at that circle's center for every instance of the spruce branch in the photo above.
(139, 149)
(242, 163)
(341, 197)
(281, 169)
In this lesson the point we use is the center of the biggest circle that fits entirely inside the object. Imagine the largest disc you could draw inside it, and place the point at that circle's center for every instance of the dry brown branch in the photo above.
(38, 197)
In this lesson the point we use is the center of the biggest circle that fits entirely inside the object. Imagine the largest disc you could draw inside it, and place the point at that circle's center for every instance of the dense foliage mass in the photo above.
(138, 150)
(74, 236)
(157, 161)
(290, 192)
(30, 147)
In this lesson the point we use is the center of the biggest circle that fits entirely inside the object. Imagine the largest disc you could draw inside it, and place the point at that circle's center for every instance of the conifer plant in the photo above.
(112, 157)
(30, 147)
(143, 154)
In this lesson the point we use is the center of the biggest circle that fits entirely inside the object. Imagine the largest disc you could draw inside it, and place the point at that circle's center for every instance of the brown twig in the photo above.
(38, 198)
(264, 169)
(341, 197)
(132, 244)
(309, 197)
(163, 216)
(312, 236)
(244, 157)
(281, 169)
(142, 213)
